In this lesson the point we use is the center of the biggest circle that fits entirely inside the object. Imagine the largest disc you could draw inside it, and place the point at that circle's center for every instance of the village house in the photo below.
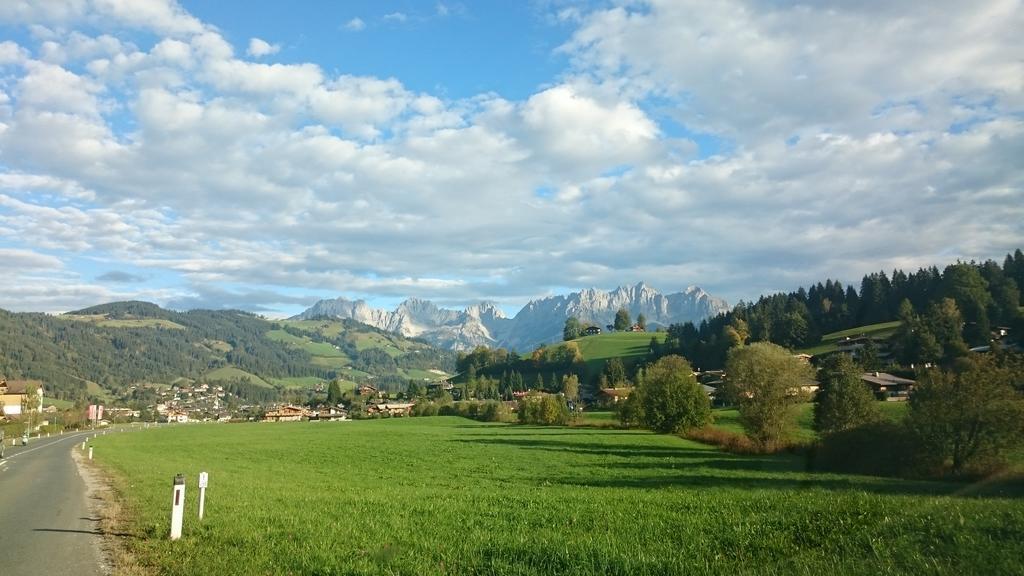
(889, 387)
(852, 345)
(366, 390)
(592, 330)
(177, 416)
(287, 413)
(330, 413)
(15, 393)
(615, 395)
(391, 409)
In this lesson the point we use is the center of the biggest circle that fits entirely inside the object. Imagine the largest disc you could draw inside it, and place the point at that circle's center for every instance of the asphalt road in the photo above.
(45, 524)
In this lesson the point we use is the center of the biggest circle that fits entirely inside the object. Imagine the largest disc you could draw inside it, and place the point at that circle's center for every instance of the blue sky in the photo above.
(262, 155)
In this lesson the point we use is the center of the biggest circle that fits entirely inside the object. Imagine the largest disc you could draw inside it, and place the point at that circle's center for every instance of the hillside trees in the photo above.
(622, 321)
(983, 294)
(614, 372)
(765, 381)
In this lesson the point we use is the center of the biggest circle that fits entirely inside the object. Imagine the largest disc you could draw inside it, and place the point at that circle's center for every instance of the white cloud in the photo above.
(829, 161)
(16, 260)
(354, 25)
(160, 16)
(396, 17)
(749, 70)
(259, 48)
(12, 53)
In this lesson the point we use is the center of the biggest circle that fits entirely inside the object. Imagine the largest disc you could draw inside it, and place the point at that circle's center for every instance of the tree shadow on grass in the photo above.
(659, 467)
(595, 448)
(703, 477)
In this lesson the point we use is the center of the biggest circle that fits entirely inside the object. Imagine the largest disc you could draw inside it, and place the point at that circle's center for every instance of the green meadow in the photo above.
(445, 495)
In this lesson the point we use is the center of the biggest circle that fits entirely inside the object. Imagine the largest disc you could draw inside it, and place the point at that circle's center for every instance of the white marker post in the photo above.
(90, 452)
(83, 444)
(204, 479)
(177, 506)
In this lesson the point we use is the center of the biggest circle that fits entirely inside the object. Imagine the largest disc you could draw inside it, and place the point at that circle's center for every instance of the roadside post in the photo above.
(204, 480)
(90, 452)
(177, 506)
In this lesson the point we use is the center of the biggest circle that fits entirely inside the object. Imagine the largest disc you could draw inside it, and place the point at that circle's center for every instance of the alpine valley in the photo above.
(540, 321)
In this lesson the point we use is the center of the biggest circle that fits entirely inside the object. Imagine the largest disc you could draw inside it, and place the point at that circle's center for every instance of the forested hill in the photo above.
(975, 296)
(105, 349)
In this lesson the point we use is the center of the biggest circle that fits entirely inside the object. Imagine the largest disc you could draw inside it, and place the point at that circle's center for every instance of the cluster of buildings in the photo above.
(190, 403)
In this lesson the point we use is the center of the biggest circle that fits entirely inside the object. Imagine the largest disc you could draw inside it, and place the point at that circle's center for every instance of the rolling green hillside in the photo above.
(357, 351)
(102, 351)
(631, 347)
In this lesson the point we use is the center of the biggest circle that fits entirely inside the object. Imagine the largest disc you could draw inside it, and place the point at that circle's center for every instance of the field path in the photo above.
(45, 523)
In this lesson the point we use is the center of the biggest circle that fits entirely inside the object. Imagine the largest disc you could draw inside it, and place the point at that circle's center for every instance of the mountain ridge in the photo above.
(539, 321)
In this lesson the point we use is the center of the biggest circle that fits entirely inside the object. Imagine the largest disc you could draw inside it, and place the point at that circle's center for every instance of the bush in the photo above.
(879, 448)
(486, 411)
(728, 441)
(544, 410)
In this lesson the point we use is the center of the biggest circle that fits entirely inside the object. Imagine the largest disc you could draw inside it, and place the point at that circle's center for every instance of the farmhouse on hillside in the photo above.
(888, 387)
(15, 393)
(592, 330)
(366, 390)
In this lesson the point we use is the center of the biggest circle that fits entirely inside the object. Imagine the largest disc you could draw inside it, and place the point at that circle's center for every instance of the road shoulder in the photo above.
(112, 547)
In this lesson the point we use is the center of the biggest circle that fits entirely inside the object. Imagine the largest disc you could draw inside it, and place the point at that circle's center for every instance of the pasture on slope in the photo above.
(445, 495)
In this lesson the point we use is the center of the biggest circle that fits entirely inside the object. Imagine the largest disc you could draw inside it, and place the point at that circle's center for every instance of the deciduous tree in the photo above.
(765, 380)
(967, 417)
(843, 401)
(671, 399)
(622, 321)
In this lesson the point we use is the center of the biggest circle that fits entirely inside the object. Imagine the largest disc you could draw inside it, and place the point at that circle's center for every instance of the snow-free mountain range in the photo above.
(540, 321)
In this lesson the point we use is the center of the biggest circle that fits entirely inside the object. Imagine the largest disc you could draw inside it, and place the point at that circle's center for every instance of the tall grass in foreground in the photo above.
(451, 496)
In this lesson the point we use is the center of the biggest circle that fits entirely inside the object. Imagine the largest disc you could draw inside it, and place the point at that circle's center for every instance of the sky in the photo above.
(263, 155)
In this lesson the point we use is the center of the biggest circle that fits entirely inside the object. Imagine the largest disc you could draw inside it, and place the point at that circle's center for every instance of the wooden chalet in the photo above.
(287, 413)
(889, 387)
(615, 395)
(391, 408)
(329, 413)
(366, 390)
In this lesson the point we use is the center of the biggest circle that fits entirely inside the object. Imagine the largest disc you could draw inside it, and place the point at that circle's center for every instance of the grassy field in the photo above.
(445, 495)
(102, 320)
(828, 341)
(630, 346)
(232, 374)
(297, 382)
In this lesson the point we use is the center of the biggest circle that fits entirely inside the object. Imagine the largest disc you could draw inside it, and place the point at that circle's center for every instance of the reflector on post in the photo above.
(177, 506)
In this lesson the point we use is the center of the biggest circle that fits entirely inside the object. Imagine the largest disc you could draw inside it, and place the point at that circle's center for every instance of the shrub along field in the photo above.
(446, 495)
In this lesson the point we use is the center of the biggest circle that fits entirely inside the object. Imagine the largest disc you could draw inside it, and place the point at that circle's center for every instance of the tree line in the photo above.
(985, 295)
